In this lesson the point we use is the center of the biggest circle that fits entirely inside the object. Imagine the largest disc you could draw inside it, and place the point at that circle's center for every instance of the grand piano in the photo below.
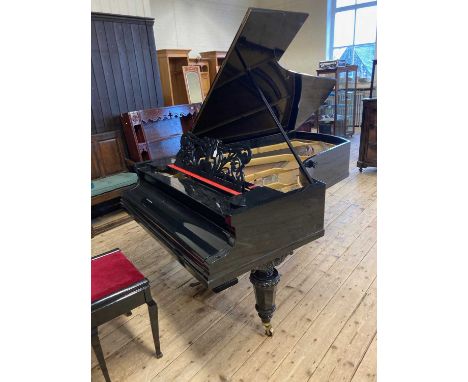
(245, 188)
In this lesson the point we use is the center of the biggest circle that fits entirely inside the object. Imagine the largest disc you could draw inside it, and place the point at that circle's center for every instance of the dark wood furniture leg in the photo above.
(153, 315)
(118, 299)
(264, 280)
(99, 354)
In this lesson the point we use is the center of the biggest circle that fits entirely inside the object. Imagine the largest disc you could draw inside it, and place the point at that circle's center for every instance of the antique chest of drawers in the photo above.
(368, 144)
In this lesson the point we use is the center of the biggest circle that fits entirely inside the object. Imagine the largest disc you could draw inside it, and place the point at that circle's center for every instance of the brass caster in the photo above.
(268, 330)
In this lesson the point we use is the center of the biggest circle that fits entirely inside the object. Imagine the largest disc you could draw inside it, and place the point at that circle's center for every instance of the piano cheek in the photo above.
(207, 240)
(244, 246)
(188, 241)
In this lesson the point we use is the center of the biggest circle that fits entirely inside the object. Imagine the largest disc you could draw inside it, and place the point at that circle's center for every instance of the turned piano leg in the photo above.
(265, 282)
(264, 279)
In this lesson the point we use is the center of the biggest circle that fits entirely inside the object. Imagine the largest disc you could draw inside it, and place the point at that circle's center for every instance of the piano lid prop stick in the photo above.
(273, 115)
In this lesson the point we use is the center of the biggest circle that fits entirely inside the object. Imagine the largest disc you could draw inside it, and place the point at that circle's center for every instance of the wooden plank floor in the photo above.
(325, 323)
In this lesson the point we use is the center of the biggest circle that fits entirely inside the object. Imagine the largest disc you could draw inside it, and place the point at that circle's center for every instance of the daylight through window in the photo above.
(353, 33)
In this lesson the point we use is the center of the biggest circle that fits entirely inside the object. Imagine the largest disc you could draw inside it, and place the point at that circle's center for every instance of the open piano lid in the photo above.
(234, 109)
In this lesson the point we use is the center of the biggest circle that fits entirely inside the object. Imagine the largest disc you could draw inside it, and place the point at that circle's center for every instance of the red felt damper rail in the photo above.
(204, 180)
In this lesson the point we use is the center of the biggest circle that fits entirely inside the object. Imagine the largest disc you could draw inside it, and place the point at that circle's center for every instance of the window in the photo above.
(353, 33)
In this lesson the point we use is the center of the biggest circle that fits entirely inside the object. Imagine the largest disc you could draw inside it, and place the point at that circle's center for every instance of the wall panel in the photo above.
(125, 74)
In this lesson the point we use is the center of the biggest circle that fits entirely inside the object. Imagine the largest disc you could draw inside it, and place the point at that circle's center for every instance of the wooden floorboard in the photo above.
(351, 344)
(325, 324)
(109, 221)
(366, 371)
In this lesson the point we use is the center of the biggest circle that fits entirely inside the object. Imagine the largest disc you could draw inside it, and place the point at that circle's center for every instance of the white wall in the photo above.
(309, 45)
(122, 7)
(200, 25)
(203, 25)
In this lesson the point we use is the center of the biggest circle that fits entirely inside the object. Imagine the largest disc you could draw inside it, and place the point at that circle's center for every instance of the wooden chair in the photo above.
(155, 133)
(109, 172)
(117, 287)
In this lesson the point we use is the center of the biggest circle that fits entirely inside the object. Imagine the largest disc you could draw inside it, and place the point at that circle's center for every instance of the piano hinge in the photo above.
(310, 164)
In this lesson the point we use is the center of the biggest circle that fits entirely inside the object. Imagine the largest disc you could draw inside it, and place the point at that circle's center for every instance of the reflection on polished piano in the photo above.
(245, 189)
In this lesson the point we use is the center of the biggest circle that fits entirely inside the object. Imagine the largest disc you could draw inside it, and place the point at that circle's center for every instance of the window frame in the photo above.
(332, 10)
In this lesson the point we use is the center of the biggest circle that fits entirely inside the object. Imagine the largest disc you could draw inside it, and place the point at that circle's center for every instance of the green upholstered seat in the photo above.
(113, 182)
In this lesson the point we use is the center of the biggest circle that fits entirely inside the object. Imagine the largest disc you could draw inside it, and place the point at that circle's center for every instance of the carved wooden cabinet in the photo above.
(368, 144)
(155, 133)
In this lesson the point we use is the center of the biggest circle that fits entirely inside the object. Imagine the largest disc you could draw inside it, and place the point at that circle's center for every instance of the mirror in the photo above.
(193, 83)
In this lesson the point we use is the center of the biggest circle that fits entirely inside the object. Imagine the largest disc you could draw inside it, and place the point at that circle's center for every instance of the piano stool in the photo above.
(117, 287)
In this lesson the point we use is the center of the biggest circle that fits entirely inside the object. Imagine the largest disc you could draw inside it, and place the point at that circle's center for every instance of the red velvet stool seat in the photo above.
(117, 287)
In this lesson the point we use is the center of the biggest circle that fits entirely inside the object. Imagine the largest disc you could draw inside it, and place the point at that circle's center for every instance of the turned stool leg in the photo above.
(153, 313)
(99, 354)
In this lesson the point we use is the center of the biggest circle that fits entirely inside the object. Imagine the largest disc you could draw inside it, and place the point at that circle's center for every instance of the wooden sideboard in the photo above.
(215, 59)
(368, 144)
(172, 80)
(170, 63)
